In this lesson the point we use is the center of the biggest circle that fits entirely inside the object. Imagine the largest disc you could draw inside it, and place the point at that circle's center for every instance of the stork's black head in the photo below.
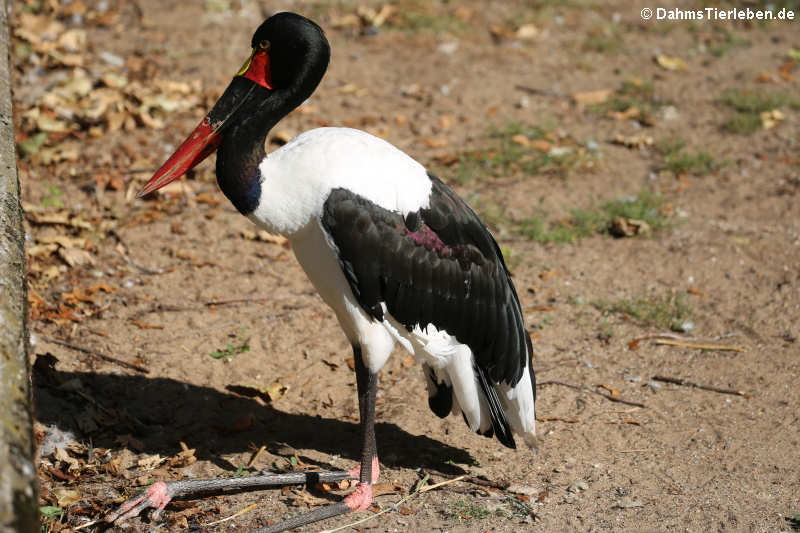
(289, 57)
(298, 50)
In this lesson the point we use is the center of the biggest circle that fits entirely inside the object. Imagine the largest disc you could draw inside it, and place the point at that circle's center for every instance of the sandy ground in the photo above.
(241, 354)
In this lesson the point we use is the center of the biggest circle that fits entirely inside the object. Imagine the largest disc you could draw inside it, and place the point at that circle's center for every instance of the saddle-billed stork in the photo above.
(397, 255)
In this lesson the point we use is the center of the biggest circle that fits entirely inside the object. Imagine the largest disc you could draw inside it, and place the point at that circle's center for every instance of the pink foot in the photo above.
(156, 496)
(360, 499)
(376, 471)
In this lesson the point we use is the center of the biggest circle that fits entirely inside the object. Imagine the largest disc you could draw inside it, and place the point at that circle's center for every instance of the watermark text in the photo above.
(718, 14)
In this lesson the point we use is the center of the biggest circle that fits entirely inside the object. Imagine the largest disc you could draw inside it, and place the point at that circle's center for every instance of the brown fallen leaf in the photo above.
(527, 32)
(631, 112)
(379, 489)
(549, 273)
(63, 241)
(521, 140)
(150, 462)
(183, 458)
(337, 485)
(628, 227)
(434, 142)
(612, 391)
(670, 63)
(770, 119)
(275, 390)
(75, 257)
(541, 145)
(585, 98)
(67, 497)
(633, 141)
(303, 498)
(264, 236)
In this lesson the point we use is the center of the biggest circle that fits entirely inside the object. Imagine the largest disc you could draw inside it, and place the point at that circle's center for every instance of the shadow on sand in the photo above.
(159, 413)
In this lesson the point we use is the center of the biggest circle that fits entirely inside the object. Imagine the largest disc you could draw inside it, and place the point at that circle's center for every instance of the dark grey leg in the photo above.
(361, 498)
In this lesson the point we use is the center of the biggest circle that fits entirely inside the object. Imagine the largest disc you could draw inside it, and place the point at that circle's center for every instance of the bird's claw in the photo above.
(157, 496)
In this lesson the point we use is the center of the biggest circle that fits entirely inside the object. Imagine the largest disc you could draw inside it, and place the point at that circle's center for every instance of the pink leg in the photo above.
(355, 473)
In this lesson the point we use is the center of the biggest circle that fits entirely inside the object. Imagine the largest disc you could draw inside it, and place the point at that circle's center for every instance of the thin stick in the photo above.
(234, 515)
(426, 488)
(247, 299)
(87, 524)
(255, 456)
(587, 389)
(685, 383)
(716, 347)
(99, 355)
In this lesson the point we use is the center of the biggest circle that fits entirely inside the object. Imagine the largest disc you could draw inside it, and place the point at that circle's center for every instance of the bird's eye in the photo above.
(263, 45)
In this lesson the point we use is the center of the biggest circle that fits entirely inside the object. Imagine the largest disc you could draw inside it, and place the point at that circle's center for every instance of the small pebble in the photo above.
(578, 486)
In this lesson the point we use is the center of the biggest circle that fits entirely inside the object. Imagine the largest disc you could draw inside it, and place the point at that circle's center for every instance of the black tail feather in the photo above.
(499, 422)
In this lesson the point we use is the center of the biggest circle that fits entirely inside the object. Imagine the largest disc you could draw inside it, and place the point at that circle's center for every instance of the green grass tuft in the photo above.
(464, 510)
(670, 310)
(747, 105)
(678, 161)
(503, 156)
(633, 93)
(238, 346)
(583, 223)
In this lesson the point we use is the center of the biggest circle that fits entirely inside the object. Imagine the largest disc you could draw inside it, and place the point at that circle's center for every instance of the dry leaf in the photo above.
(541, 145)
(303, 498)
(75, 257)
(634, 141)
(521, 140)
(67, 497)
(612, 391)
(275, 390)
(379, 489)
(183, 458)
(264, 236)
(527, 32)
(670, 63)
(631, 112)
(150, 462)
(770, 119)
(628, 227)
(591, 97)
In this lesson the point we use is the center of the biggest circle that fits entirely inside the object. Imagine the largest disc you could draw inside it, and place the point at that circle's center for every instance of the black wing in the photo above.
(439, 265)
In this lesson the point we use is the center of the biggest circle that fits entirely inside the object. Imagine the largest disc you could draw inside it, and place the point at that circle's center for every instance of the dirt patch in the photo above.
(545, 118)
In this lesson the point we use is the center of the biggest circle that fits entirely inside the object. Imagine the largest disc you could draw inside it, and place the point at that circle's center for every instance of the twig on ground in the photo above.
(684, 344)
(540, 92)
(587, 389)
(234, 515)
(97, 354)
(247, 299)
(255, 456)
(480, 481)
(686, 383)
